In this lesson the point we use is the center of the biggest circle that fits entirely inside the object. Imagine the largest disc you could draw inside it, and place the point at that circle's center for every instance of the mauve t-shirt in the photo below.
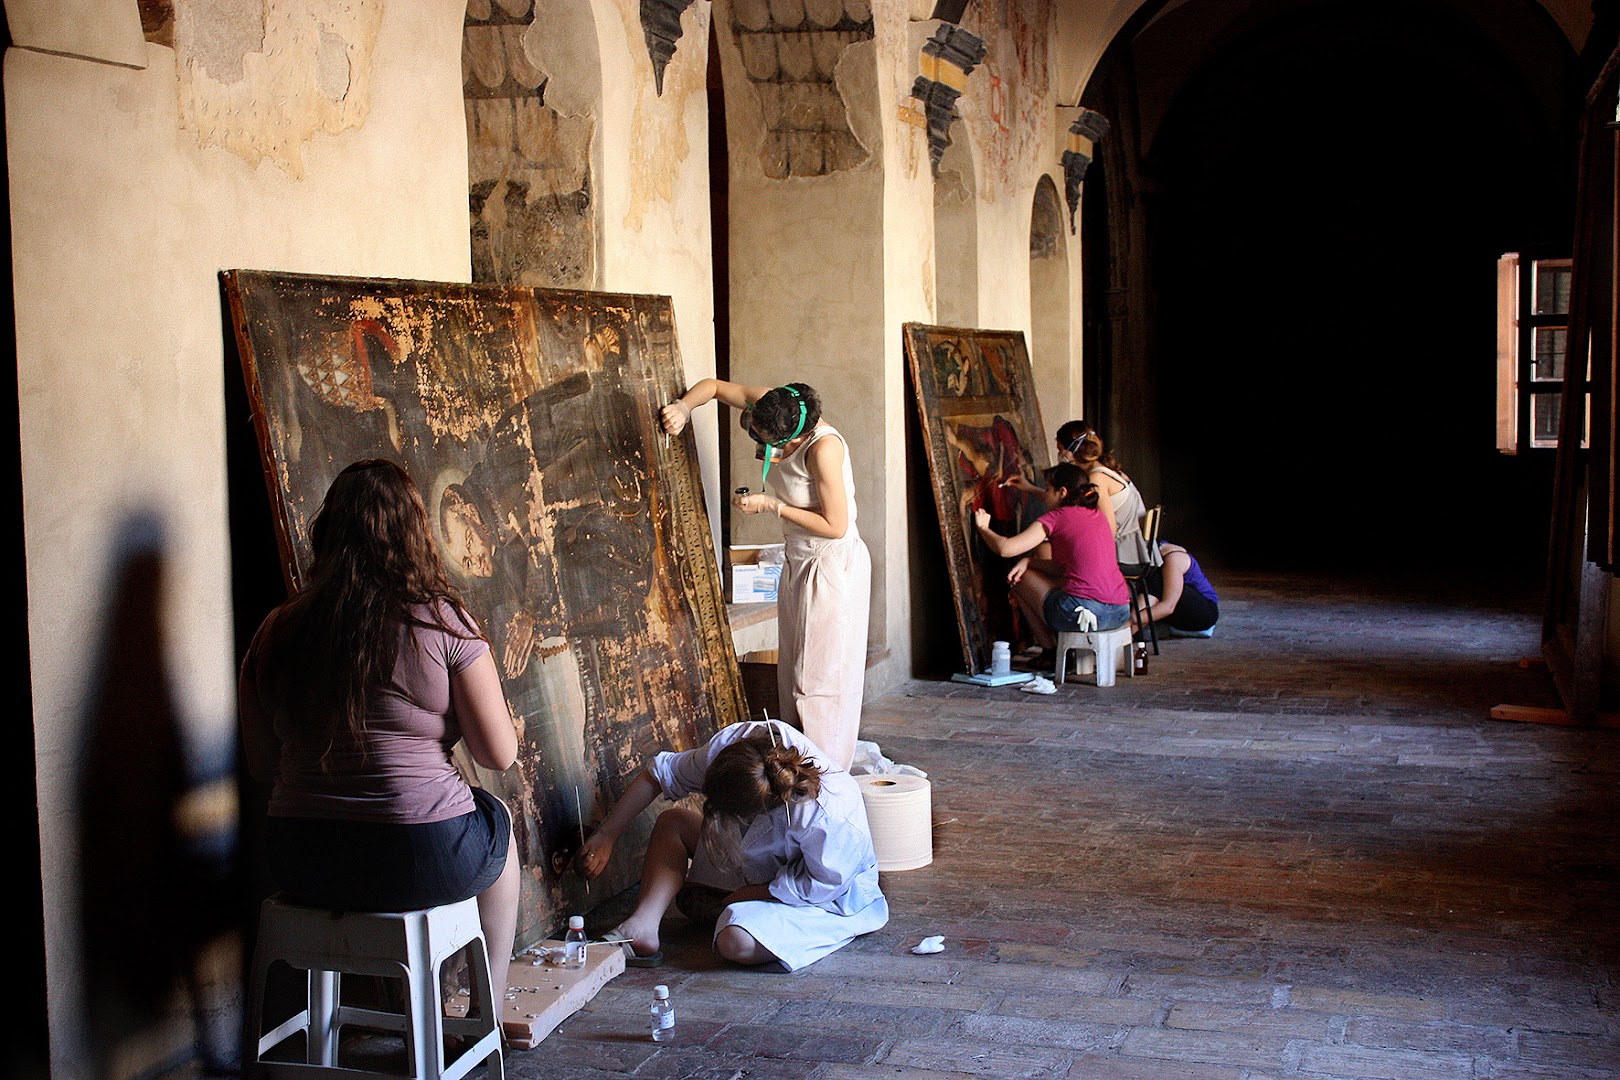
(1083, 544)
(402, 773)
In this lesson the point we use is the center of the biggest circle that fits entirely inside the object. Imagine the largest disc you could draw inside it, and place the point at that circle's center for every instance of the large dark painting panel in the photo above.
(573, 526)
(982, 426)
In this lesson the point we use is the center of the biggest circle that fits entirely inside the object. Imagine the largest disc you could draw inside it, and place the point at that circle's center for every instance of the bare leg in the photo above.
(1030, 592)
(669, 853)
(497, 915)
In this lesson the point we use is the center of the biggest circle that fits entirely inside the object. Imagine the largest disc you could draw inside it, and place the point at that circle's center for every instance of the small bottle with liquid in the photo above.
(663, 1015)
(574, 943)
(1000, 658)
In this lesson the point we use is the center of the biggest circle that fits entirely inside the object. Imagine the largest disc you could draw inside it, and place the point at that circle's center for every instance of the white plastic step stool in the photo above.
(1109, 647)
(406, 945)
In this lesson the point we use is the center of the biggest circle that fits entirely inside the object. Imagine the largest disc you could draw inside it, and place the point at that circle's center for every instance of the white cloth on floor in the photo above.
(869, 760)
(816, 856)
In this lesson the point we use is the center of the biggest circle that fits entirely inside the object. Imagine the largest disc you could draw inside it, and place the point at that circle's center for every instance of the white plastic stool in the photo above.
(406, 945)
(1106, 645)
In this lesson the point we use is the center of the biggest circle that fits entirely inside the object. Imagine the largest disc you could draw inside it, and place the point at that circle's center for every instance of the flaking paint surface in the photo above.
(572, 525)
(280, 95)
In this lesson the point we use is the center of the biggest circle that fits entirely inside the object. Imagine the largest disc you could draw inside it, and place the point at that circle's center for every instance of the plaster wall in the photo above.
(1011, 114)
(121, 222)
(807, 282)
(656, 235)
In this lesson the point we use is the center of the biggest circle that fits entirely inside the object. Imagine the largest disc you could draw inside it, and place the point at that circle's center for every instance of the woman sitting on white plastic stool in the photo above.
(1083, 573)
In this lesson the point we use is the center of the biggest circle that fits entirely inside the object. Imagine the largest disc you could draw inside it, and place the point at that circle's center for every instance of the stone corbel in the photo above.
(661, 27)
(1086, 128)
(945, 60)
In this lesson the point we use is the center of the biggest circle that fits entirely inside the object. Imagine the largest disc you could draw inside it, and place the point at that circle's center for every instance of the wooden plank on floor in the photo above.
(1532, 714)
(541, 996)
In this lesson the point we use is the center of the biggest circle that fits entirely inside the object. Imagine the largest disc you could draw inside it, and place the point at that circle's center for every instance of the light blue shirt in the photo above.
(813, 853)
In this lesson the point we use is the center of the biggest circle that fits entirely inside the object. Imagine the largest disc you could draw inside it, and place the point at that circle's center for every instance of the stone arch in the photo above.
(532, 83)
(956, 234)
(1050, 337)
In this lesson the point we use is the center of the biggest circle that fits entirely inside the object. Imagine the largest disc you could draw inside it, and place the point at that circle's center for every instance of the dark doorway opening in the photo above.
(1326, 197)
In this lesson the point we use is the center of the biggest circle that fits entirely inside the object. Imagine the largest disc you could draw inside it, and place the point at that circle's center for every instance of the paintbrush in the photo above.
(580, 811)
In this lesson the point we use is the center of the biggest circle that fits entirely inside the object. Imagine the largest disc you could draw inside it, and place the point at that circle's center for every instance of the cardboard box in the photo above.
(755, 571)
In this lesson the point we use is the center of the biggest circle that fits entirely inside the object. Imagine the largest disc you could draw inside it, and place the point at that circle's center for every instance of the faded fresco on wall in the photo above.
(982, 425)
(530, 191)
(572, 524)
(1011, 97)
(263, 79)
(790, 53)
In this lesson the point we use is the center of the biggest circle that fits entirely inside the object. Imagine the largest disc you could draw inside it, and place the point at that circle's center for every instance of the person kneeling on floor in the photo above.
(780, 859)
(1181, 600)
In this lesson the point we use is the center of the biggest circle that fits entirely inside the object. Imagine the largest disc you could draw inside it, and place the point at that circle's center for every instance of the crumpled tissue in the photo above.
(869, 759)
(929, 945)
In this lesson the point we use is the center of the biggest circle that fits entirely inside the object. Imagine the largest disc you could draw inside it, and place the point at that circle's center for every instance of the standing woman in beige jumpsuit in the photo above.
(824, 597)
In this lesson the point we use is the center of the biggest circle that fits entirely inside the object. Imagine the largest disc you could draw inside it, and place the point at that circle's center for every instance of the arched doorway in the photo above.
(1313, 248)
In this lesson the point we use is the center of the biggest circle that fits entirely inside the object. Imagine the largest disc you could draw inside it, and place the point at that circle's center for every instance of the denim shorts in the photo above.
(1060, 607)
(383, 866)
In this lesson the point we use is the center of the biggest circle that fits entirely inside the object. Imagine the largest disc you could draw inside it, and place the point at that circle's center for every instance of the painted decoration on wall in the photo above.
(982, 426)
(790, 54)
(529, 149)
(574, 527)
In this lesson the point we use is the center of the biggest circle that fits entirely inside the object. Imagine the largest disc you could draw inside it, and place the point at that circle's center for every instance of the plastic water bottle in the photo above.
(663, 1014)
(1000, 658)
(574, 943)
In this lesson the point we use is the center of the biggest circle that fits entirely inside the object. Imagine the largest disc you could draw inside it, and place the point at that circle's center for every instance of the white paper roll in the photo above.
(900, 809)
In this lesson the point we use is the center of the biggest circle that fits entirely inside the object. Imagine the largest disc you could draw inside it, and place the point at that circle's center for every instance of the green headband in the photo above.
(804, 414)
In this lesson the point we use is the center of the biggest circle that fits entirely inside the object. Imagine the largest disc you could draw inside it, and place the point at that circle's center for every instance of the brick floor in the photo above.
(1298, 849)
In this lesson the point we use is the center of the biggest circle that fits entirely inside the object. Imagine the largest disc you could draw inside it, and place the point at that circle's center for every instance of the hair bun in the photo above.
(792, 776)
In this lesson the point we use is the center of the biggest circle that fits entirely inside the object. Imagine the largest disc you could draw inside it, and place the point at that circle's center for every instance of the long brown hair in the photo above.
(337, 639)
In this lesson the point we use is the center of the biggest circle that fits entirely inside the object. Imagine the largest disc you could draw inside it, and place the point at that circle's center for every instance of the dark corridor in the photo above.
(1325, 198)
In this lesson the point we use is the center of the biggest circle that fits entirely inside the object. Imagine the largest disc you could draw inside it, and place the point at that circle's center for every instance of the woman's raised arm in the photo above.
(677, 413)
(1008, 547)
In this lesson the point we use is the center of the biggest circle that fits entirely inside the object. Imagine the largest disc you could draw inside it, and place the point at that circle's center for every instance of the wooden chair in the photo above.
(1137, 582)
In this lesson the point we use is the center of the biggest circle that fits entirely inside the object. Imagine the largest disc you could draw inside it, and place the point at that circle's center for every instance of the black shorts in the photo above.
(1194, 611)
(381, 866)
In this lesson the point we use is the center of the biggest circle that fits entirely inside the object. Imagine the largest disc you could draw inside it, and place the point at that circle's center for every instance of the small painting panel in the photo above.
(982, 426)
(573, 526)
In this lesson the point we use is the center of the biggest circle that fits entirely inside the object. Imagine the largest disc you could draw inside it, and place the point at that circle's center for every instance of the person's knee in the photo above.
(737, 945)
(677, 825)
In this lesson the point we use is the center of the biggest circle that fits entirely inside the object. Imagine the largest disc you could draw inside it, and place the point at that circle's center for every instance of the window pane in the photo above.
(1544, 418)
(1551, 344)
(1552, 289)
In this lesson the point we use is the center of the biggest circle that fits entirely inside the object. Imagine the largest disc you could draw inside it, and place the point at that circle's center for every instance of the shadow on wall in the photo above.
(158, 867)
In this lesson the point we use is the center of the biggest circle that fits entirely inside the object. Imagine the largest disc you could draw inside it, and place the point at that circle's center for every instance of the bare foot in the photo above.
(642, 937)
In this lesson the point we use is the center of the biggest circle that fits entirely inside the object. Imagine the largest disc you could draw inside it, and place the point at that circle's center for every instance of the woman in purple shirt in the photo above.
(1082, 571)
(353, 694)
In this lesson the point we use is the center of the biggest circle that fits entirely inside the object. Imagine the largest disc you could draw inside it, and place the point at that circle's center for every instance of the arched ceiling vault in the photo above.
(1085, 28)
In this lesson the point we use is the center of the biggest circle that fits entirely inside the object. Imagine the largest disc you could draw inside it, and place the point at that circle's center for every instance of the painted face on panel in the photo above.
(468, 545)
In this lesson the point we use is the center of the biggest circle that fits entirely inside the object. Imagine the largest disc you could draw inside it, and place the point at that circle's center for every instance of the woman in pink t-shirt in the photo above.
(353, 694)
(1081, 572)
